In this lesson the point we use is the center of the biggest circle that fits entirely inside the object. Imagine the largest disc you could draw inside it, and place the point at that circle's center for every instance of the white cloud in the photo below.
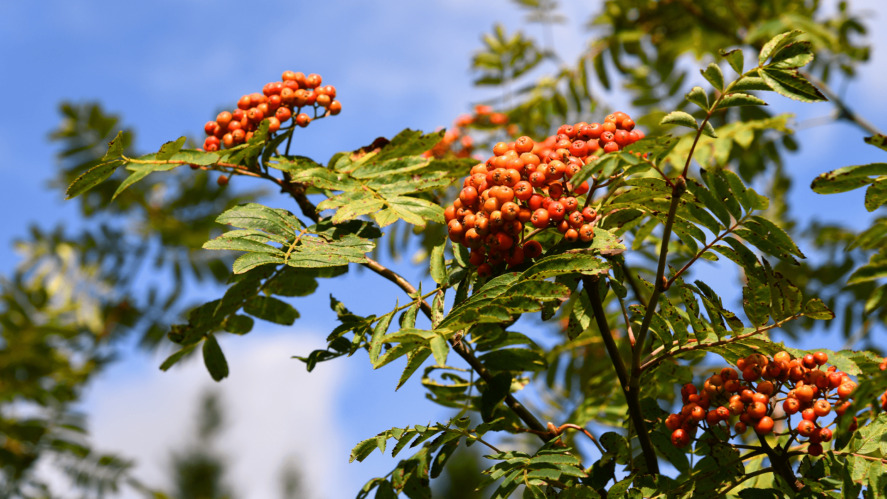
(273, 412)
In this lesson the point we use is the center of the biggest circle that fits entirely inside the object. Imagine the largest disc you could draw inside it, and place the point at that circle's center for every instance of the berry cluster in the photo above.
(883, 366)
(752, 398)
(458, 143)
(279, 102)
(526, 182)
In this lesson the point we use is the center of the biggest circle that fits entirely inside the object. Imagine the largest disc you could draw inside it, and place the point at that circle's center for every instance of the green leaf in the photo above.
(876, 268)
(376, 341)
(790, 83)
(769, 231)
(169, 149)
(680, 118)
(714, 76)
(92, 177)
(735, 58)
(271, 309)
(131, 179)
(748, 83)
(709, 130)
(293, 164)
(238, 324)
(115, 147)
(414, 361)
(847, 178)
(415, 211)
(274, 221)
(249, 261)
(698, 96)
(514, 359)
(776, 43)
(878, 140)
(616, 445)
(174, 358)
(876, 194)
(214, 358)
(740, 99)
(585, 263)
(439, 348)
(868, 438)
(437, 267)
(816, 309)
(363, 449)
(756, 301)
(792, 56)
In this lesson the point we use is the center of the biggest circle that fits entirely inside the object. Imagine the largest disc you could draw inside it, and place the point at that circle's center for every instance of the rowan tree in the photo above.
(547, 209)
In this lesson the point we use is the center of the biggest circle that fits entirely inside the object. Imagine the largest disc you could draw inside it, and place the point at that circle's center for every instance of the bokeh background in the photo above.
(166, 67)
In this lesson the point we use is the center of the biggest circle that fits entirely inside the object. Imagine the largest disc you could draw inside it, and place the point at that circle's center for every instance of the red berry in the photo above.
(556, 211)
(532, 249)
(764, 425)
(313, 80)
(211, 127)
(211, 144)
(303, 120)
(540, 218)
(806, 427)
(283, 114)
(680, 438)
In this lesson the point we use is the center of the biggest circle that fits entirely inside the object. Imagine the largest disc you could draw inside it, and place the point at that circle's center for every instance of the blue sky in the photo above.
(167, 66)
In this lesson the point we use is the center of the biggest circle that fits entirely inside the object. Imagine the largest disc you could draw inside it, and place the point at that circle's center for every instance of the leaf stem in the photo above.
(586, 432)
(699, 254)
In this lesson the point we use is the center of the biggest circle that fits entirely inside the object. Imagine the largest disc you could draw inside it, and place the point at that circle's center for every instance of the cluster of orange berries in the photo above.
(754, 400)
(457, 142)
(278, 102)
(883, 400)
(529, 182)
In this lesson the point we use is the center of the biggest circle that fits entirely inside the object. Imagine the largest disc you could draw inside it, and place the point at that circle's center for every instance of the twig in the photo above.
(707, 247)
(460, 347)
(586, 432)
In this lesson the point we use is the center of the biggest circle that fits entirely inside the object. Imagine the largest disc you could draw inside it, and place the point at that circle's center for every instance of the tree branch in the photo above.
(460, 347)
(632, 395)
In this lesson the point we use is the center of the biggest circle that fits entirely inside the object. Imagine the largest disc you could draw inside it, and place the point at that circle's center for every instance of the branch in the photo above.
(632, 395)
(297, 191)
(587, 433)
(779, 459)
